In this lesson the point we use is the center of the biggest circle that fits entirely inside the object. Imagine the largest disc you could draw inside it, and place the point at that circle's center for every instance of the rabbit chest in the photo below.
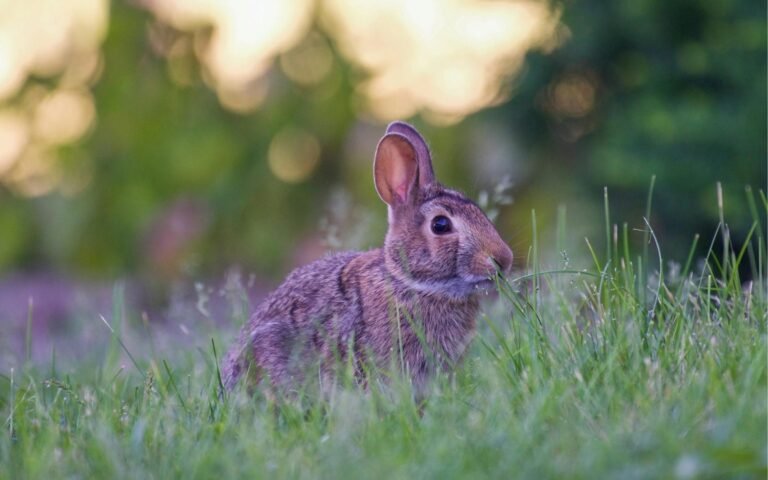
(392, 321)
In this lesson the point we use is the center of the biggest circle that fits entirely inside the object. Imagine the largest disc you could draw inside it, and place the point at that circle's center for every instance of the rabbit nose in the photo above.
(503, 259)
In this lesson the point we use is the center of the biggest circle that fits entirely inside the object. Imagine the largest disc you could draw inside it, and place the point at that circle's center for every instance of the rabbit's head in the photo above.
(438, 240)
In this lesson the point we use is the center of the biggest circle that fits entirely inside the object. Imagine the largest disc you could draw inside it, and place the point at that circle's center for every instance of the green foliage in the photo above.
(652, 87)
(157, 142)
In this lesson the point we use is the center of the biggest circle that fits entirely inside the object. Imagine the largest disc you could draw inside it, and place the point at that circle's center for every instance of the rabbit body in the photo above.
(349, 301)
(413, 300)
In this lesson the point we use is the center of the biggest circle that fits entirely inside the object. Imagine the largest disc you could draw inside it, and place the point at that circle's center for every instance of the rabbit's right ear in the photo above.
(395, 169)
(426, 173)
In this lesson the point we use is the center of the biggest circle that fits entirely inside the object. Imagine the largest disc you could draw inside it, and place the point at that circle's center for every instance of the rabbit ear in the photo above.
(426, 173)
(395, 168)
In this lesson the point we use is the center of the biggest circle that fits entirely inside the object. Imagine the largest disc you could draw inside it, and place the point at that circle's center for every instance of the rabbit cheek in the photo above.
(444, 256)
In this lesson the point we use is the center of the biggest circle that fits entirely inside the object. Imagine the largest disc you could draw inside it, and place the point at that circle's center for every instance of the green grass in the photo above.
(615, 371)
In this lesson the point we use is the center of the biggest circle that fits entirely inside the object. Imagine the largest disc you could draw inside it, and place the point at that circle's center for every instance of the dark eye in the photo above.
(441, 225)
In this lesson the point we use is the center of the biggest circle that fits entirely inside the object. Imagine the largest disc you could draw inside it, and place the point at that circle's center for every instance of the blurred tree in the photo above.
(167, 156)
(651, 87)
(169, 182)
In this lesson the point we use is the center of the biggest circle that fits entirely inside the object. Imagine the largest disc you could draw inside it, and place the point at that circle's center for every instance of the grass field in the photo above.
(617, 370)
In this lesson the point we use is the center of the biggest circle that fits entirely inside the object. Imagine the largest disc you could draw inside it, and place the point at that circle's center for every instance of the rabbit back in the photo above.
(290, 322)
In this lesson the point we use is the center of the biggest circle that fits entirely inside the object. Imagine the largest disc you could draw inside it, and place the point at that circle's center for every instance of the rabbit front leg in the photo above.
(277, 350)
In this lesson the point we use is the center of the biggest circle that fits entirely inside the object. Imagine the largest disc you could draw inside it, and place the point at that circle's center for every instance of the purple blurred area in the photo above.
(67, 316)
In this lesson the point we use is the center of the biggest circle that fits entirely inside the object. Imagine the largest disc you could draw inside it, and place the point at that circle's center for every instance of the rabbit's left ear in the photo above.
(426, 173)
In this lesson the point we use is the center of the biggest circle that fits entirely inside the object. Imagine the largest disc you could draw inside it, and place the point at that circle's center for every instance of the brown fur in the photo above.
(416, 297)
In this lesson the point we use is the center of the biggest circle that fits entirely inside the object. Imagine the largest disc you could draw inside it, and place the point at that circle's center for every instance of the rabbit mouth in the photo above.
(477, 282)
(458, 287)
(485, 284)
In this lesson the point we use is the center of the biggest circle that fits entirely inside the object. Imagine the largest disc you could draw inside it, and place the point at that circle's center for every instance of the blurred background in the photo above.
(168, 142)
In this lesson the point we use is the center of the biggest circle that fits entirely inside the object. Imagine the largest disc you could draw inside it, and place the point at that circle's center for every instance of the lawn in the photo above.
(614, 369)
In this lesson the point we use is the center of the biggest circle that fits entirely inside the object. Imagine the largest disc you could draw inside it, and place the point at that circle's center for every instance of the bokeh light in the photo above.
(245, 39)
(14, 135)
(49, 58)
(447, 58)
(112, 111)
(572, 96)
(444, 58)
(310, 62)
(42, 37)
(63, 116)
(293, 154)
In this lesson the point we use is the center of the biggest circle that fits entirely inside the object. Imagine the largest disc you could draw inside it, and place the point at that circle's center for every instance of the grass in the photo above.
(619, 370)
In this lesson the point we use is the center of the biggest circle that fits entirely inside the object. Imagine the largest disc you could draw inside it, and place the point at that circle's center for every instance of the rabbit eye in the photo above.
(441, 225)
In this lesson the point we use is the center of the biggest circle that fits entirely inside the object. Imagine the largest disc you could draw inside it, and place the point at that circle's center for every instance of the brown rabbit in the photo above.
(414, 299)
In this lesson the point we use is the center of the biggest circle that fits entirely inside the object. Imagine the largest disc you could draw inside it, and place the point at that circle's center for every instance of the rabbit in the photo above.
(413, 300)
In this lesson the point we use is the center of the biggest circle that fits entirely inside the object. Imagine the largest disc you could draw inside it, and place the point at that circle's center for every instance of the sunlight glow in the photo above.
(446, 57)
(49, 57)
(42, 36)
(14, 136)
(63, 116)
(443, 58)
(245, 39)
(36, 173)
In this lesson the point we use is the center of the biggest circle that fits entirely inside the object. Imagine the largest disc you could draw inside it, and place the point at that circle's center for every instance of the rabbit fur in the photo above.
(414, 299)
